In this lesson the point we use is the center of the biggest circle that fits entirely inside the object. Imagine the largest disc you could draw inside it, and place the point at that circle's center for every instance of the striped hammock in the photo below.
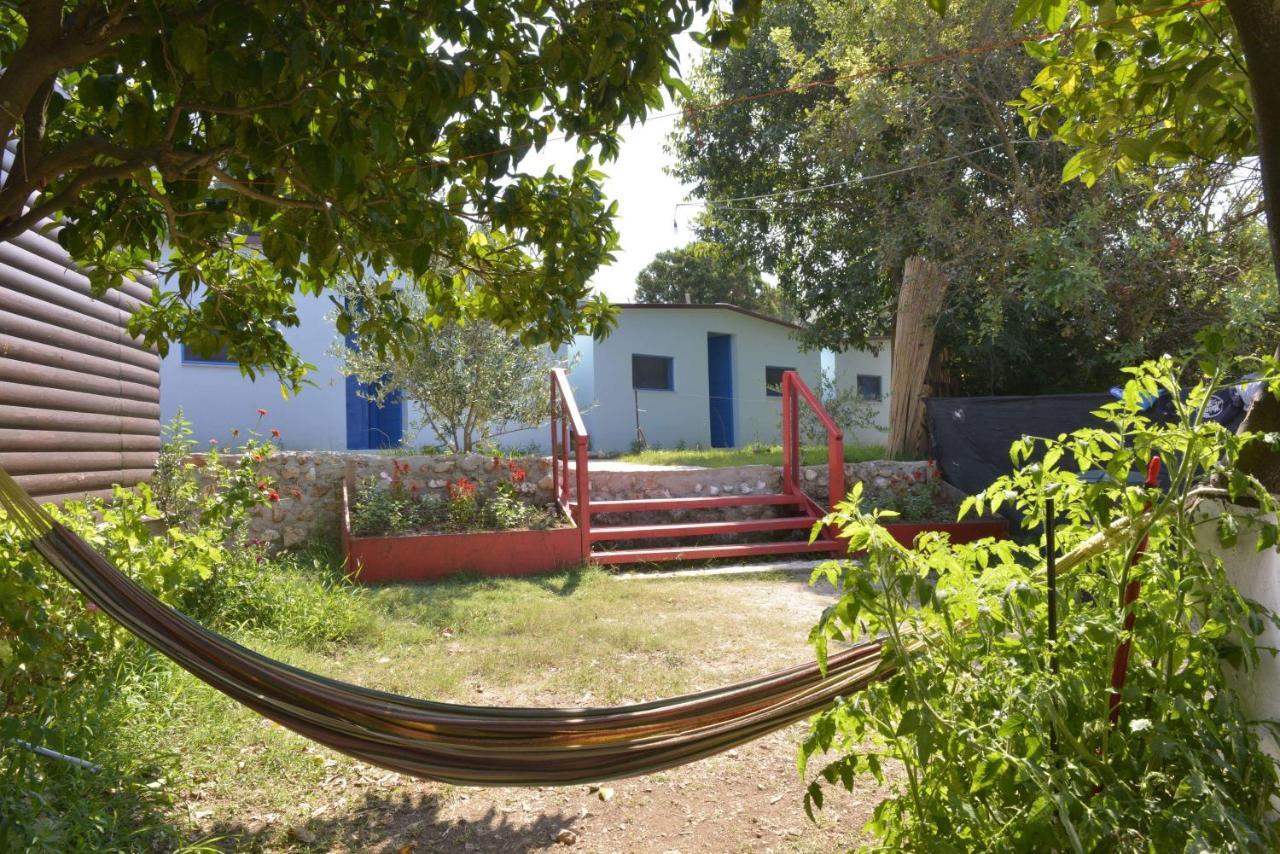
(462, 745)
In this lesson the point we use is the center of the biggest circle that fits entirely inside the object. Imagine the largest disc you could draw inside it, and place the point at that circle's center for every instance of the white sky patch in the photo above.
(646, 195)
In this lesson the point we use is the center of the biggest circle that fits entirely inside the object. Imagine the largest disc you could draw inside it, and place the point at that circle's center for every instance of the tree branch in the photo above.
(11, 228)
(279, 201)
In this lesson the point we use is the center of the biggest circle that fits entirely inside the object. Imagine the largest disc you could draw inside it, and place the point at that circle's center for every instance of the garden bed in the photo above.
(431, 556)
(931, 504)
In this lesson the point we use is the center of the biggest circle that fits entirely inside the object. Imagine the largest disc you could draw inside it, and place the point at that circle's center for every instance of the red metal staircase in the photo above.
(789, 530)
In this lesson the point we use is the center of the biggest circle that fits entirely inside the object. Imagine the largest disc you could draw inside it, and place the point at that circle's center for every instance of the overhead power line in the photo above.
(857, 179)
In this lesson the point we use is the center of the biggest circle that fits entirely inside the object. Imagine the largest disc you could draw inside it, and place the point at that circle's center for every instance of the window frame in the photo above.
(671, 372)
(768, 390)
(857, 384)
(190, 358)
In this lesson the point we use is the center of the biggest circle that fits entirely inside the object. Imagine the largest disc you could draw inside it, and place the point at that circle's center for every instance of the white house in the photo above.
(680, 374)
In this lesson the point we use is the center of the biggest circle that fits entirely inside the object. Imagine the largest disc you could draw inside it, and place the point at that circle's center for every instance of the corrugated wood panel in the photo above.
(79, 396)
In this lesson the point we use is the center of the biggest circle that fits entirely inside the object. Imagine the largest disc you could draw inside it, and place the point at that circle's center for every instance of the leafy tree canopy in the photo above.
(704, 272)
(832, 187)
(352, 139)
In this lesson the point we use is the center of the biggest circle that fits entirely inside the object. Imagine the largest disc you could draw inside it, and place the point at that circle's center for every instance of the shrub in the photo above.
(68, 674)
(918, 501)
(1006, 741)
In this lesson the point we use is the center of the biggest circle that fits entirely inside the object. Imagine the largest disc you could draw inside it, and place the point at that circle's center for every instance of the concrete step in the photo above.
(701, 529)
(636, 505)
(709, 552)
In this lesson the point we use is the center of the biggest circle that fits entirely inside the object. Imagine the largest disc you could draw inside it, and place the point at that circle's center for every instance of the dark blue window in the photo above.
(773, 380)
(218, 358)
(652, 373)
(869, 387)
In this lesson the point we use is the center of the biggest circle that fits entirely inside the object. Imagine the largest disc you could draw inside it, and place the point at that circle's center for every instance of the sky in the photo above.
(646, 195)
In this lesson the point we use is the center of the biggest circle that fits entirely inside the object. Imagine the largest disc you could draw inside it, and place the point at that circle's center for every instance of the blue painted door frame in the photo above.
(369, 425)
(720, 388)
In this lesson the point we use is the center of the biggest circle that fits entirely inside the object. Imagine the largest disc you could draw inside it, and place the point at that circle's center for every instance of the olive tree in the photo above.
(472, 381)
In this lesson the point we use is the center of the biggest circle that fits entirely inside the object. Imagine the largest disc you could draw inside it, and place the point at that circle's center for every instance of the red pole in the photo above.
(584, 497)
(555, 468)
(1120, 666)
(835, 470)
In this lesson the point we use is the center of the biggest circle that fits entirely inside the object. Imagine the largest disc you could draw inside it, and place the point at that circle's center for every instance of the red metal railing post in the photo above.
(786, 432)
(555, 466)
(793, 389)
(566, 422)
(835, 470)
(564, 450)
(584, 496)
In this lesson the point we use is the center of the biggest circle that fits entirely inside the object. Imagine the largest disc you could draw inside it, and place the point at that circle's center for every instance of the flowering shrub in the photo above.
(384, 506)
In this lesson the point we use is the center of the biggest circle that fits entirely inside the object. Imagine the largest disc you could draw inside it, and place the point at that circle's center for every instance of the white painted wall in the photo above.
(217, 398)
(669, 417)
(847, 366)
(1256, 574)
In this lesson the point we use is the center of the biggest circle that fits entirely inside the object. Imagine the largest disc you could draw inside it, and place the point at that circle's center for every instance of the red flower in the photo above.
(460, 488)
(262, 412)
(919, 474)
(517, 474)
(275, 433)
(273, 495)
(262, 486)
(257, 458)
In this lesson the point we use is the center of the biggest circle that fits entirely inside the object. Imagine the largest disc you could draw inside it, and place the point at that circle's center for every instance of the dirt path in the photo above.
(749, 799)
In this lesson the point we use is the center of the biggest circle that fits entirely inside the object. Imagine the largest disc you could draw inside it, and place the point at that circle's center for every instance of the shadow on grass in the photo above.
(564, 583)
(394, 823)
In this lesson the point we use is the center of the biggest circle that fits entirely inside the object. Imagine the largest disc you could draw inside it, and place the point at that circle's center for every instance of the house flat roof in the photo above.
(727, 306)
(720, 305)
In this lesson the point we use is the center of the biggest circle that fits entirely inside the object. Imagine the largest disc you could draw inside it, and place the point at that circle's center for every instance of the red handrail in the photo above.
(568, 429)
(794, 390)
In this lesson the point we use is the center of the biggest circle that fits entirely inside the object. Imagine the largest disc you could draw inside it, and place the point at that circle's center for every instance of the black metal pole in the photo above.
(1051, 564)
(1051, 561)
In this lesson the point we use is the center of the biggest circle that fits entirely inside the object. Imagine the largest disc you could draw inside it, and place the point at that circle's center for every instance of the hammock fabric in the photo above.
(462, 745)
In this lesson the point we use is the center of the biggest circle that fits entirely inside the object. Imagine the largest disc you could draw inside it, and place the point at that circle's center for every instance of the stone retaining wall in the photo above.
(309, 484)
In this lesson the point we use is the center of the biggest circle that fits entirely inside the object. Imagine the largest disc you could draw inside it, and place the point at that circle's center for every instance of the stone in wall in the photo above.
(310, 486)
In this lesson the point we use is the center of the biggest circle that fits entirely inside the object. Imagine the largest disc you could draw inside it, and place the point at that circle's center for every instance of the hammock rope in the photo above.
(457, 744)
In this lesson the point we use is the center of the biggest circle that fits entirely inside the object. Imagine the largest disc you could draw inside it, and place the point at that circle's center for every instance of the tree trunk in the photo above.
(924, 290)
(1258, 25)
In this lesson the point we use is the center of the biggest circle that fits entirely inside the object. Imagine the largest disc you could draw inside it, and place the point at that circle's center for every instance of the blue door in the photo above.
(720, 388)
(369, 425)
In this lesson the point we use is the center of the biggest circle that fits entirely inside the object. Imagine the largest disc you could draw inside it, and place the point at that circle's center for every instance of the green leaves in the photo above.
(974, 708)
(1162, 88)
(362, 137)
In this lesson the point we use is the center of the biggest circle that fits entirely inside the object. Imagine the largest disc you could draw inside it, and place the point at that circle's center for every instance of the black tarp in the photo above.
(971, 436)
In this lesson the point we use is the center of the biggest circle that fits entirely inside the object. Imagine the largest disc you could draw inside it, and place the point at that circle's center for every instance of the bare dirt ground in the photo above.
(749, 799)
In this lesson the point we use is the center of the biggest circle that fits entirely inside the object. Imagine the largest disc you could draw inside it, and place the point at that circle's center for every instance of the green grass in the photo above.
(211, 770)
(749, 455)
